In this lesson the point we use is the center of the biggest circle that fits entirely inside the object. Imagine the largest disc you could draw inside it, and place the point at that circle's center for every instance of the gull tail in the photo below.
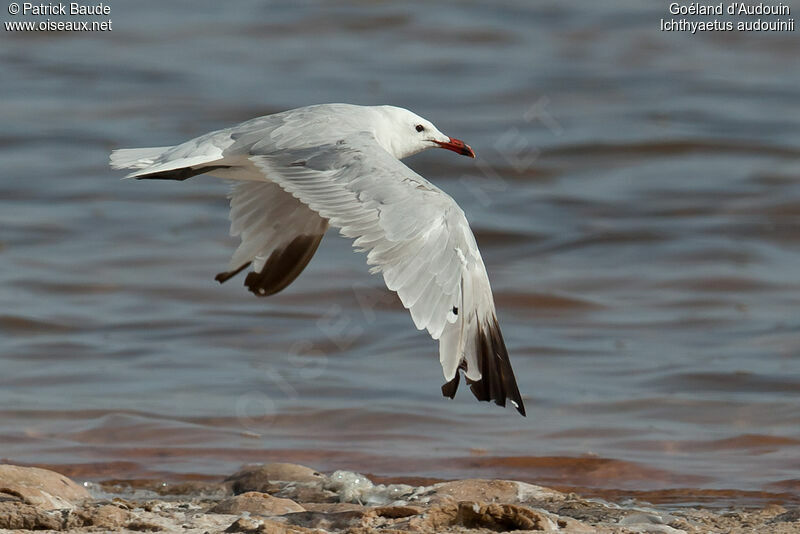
(136, 158)
(162, 163)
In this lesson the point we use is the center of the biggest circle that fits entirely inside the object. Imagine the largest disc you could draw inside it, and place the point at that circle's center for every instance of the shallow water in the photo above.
(636, 200)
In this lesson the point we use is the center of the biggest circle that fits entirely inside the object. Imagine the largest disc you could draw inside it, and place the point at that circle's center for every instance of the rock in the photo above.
(475, 490)
(573, 526)
(253, 526)
(273, 527)
(333, 507)
(122, 503)
(289, 481)
(651, 528)
(501, 506)
(21, 516)
(590, 511)
(533, 493)
(106, 516)
(478, 515)
(256, 503)
(244, 524)
(642, 518)
(300, 492)
(787, 517)
(144, 526)
(393, 519)
(436, 519)
(329, 522)
(265, 477)
(42, 488)
(396, 512)
(192, 487)
(501, 517)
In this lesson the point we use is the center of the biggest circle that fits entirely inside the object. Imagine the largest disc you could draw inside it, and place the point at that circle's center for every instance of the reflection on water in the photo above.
(637, 202)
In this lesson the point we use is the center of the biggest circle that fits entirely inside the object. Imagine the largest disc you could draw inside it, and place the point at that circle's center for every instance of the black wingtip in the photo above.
(227, 275)
(283, 266)
(449, 389)
(497, 381)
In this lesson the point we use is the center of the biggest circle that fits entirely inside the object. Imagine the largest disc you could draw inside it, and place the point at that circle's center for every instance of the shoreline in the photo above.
(280, 497)
(124, 474)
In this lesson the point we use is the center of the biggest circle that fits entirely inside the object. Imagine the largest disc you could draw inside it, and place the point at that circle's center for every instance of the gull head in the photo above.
(403, 133)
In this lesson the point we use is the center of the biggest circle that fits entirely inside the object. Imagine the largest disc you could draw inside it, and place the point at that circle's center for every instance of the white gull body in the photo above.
(300, 171)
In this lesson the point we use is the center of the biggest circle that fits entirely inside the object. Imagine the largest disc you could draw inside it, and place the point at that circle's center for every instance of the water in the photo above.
(636, 199)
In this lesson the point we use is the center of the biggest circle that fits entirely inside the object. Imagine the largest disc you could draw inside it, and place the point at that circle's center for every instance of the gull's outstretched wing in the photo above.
(419, 238)
(279, 236)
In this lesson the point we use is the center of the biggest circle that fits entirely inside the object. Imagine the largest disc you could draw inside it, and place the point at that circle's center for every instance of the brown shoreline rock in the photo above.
(396, 512)
(500, 506)
(107, 516)
(256, 503)
(42, 488)
(259, 477)
(481, 515)
(289, 481)
(246, 525)
(21, 516)
(333, 507)
(483, 490)
(476, 490)
(502, 517)
(332, 521)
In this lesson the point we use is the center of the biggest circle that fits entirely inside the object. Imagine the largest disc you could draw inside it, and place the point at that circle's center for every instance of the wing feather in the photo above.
(279, 236)
(418, 237)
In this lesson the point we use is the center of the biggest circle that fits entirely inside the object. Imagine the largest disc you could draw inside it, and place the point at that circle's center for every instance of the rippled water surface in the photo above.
(636, 199)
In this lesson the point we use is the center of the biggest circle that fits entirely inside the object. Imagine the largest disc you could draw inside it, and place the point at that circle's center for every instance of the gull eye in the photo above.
(420, 128)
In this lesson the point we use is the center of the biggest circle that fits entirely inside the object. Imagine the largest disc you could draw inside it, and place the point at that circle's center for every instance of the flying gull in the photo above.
(300, 171)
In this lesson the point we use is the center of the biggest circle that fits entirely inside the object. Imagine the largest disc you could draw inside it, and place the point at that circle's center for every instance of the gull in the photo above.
(300, 171)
